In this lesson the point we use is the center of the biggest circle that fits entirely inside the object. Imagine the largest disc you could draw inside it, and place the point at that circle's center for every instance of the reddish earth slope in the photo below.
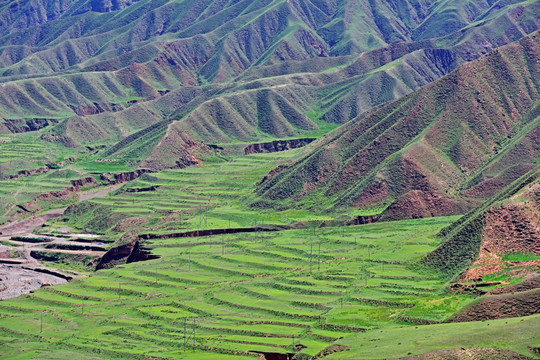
(439, 151)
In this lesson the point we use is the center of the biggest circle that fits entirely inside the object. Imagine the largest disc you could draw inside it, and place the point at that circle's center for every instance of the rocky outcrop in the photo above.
(26, 125)
(150, 188)
(277, 145)
(364, 219)
(127, 253)
(123, 177)
(87, 181)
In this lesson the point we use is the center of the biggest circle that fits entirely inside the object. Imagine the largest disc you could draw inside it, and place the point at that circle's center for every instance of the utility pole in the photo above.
(185, 334)
(41, 327)
(310, 257)
(319, 262)
(194, 328)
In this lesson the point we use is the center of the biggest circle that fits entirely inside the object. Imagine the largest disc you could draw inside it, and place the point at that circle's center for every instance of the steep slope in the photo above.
(422, 151)
(483, 241)
(88, 57)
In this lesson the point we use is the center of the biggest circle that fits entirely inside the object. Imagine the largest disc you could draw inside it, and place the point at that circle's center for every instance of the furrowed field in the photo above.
(250, 292)
(286, 285)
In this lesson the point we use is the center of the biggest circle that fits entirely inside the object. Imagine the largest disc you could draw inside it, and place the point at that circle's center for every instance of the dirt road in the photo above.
(17, 273)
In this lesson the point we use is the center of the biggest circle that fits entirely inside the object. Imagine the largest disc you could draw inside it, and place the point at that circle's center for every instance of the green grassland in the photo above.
(297, 290)
(246, 292)
(210, 196)
(148, 84)
(514, 334)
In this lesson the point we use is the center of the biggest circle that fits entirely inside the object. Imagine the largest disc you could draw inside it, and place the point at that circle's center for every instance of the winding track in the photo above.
(16, 274)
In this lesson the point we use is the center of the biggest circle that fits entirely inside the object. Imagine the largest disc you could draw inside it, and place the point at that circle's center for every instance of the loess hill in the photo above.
(441, 150)
(129, 74)
(147, 126)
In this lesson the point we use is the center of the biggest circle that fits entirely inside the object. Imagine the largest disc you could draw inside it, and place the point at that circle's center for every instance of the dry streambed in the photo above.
(20, 272)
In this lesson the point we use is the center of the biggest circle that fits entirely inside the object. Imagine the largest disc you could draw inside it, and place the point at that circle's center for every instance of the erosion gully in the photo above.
(22, 274)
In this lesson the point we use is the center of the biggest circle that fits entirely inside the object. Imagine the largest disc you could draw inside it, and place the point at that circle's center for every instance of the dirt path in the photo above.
(27, 226)
(19, 276)
(94, 194)
(13, 205)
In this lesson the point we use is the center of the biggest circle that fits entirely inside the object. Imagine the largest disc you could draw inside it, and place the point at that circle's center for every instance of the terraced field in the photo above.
(211, 196)
(245, 294)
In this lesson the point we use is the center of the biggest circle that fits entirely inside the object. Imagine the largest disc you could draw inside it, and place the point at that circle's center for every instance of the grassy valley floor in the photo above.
(304, 289)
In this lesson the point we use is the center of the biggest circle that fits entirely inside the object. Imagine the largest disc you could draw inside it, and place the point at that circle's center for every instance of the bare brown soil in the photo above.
(421, 204)
(26, 226)
(510, 229)
(24, 273)
(528, 284)
(176, 150)
(501, 306)
(15, 281)
(277, 145)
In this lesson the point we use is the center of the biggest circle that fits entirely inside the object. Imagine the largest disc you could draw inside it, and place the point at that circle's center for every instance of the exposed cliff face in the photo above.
(128, 176)
(364, 219)
(277, 145)
(87, 181)
(123, 177)
(487, 239)
(110, 5)
(26, 125)
(127, 253)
